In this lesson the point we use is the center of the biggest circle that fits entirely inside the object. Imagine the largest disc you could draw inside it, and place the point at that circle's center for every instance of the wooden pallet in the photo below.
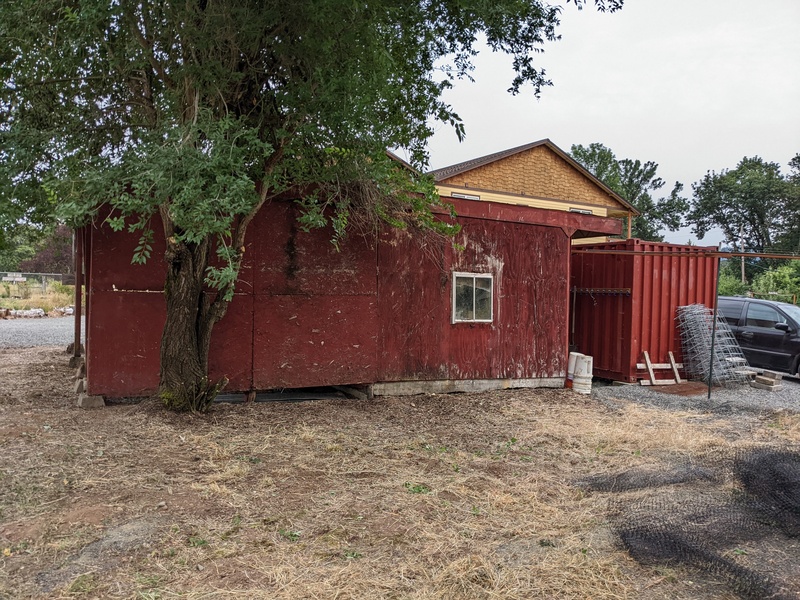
(652, 367)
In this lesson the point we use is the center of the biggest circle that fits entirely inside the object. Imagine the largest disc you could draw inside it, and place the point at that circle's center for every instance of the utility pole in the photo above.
(741, 249)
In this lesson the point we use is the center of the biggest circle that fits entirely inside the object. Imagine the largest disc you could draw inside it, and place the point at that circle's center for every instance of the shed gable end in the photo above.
(538, 172)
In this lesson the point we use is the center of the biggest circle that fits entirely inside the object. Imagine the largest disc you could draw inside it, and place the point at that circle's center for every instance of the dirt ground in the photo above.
(438, 496)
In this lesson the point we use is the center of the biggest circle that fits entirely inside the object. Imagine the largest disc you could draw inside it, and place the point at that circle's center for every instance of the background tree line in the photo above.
(32, 249)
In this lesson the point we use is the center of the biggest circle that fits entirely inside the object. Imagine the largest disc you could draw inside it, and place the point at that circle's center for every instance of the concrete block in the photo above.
(80, 373)
(71, 348)
(80, 386)
(772, 375)
(86, 401)
(75, 361)
(769, 388)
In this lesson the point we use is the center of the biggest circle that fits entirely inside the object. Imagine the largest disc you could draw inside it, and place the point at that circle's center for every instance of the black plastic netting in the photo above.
(735, 519)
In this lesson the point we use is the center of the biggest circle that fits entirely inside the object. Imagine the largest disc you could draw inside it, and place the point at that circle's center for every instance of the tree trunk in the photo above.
(184, 383)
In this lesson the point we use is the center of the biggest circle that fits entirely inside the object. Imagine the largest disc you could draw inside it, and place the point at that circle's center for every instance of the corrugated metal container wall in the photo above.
(625, 303)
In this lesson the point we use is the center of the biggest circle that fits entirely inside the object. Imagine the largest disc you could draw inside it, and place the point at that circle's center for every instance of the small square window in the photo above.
(472, 298)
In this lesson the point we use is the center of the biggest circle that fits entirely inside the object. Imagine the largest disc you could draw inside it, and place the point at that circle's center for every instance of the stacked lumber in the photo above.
(768, 380)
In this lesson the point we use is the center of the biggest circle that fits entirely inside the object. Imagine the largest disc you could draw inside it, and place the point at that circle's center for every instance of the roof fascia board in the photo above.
(496, 211)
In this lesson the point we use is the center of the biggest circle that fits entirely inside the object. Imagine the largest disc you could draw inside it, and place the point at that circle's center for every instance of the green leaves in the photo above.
(223, 278)
(779, 283)
(142, 252)
(749, 203)
(116, 223)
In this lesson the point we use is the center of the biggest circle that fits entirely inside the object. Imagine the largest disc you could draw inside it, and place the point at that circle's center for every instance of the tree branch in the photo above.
(147, 46)
(21, 86)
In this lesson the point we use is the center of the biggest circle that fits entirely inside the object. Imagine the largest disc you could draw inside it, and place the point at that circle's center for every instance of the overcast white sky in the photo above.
(694, 85)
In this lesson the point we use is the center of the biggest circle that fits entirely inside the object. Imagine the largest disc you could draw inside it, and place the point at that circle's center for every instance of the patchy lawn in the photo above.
(441, 496)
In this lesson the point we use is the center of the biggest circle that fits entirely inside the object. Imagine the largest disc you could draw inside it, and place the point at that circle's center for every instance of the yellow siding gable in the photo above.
(592, 240)
(538, 172)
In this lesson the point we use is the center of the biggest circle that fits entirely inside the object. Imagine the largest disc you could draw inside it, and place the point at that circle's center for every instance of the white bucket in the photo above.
(573, 357)
(582, 376)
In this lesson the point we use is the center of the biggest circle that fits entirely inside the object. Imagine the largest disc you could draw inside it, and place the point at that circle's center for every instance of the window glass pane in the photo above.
(762, 316)
(732, 311)
(483, 298)
(793, 311)
(464, 302)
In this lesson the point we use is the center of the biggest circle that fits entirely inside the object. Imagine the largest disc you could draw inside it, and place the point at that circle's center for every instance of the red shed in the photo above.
(380, 312)
(625, 296)
(389, 312)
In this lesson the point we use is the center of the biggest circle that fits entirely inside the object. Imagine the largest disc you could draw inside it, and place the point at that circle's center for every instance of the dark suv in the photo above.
(767, 331)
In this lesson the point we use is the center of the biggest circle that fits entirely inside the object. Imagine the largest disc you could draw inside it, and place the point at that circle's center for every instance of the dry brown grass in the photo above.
(440, 497)
(54, 298)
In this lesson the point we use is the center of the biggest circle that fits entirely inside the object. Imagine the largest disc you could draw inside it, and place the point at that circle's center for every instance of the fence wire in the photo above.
(733, 518)
(696, 326)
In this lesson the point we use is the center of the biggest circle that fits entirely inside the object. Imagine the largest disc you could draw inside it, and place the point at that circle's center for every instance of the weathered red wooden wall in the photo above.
(379, 310)
(303, 314)
(315, 317)
(124, 316)
(615, 326)
(527, 338)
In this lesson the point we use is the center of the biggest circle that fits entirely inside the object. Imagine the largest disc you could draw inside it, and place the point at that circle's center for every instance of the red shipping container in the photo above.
(624, 300)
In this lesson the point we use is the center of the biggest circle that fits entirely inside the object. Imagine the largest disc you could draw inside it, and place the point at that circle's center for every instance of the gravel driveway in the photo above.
(731, 399)
(47, 331)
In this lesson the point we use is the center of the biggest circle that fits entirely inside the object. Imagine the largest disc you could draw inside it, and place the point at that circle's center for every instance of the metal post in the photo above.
(713, 329)
(78, 237)
(741, 249)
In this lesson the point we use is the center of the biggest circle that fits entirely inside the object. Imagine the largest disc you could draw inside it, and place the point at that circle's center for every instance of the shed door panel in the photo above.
(303, 341)
(414, 308)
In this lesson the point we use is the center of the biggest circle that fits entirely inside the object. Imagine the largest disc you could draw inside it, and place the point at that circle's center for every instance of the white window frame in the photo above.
(488, 276)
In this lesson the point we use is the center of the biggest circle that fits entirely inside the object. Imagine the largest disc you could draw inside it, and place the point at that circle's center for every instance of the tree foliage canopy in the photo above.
(789, 239)
(20, 245)
(750, 204)
(729, 282)
(203, 109)
(635, 181)
(779, 282)
(53, 253)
